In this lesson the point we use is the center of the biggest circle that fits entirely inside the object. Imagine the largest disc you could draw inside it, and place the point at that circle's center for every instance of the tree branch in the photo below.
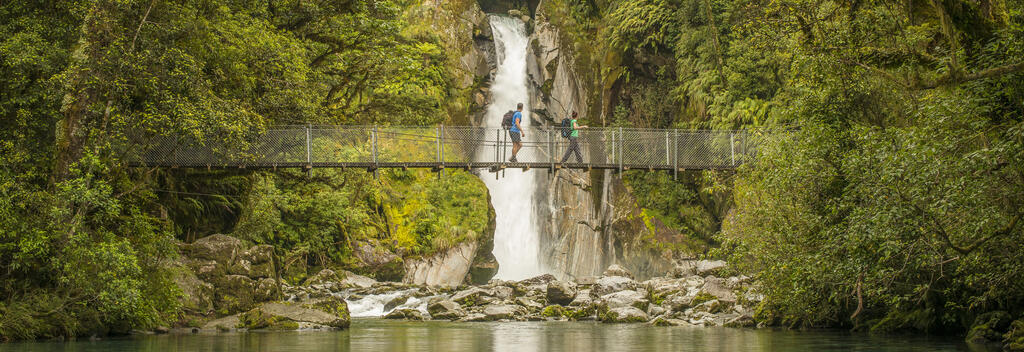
(139, 28)
(992, 72)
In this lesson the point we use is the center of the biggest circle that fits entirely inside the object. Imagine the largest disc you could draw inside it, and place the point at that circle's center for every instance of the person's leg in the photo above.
(516, 145)
(574, 145)
(567, 152)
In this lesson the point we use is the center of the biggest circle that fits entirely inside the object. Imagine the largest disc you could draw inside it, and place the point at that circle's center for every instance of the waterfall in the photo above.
(516, 237)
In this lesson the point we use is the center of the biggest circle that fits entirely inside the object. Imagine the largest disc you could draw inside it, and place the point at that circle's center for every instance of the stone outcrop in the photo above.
(221, 275)
(697, 267)
(561, 292)
(471, 296)
(233, 285)
(717, 287)
(440, 308)
(617, 270)
(609, 284)
(284, 316)
(627, 298)
(405, 313)
(377, 259)
(593, 219)
(624, 315)
(503, 311)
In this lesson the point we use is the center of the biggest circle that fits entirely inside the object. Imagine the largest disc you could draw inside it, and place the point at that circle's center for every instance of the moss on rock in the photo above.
(259, 319)
(553, 311)
(333, 305)
(989, 327)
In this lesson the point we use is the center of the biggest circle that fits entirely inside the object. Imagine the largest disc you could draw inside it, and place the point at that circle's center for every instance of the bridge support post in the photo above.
(621, 145)
(732, 148)
(497, 150)
(373, 137)
(440, 151)
(667, 155)
(551, 154)
(675, 155)
(309, 150)
(611, 159)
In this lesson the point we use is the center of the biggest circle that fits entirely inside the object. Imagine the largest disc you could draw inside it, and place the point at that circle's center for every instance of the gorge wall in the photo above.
(589, 220)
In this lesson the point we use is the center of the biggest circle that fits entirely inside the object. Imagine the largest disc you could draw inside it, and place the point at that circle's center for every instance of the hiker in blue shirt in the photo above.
(516, 132)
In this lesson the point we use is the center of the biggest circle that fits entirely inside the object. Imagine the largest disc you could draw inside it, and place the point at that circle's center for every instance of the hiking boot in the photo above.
(513, 160)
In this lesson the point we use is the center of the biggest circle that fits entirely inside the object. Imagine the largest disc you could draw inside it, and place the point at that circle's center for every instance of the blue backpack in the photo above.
(566, 127)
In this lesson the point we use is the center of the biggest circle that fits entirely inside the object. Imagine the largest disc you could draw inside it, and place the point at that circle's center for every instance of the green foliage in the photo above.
(895, 203)
(84, 241)
(640, 23)
(693, 205)
(324, 219)
(70, 271)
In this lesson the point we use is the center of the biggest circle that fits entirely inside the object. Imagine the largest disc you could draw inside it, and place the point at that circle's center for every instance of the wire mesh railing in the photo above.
(457, 146)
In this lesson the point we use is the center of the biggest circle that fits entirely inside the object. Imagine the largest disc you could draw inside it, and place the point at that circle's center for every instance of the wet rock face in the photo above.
(221, 275)
(385, 265)
(219, 248)
(561, 292)
(617, 270)
(697, 267)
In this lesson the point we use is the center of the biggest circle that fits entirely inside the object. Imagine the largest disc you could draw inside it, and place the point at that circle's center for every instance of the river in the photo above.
(371, 334)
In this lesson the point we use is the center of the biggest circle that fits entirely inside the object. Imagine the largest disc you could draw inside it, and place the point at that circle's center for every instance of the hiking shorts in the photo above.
(516, 137)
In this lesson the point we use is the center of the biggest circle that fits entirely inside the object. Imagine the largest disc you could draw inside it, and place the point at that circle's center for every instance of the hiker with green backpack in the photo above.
(571, 130)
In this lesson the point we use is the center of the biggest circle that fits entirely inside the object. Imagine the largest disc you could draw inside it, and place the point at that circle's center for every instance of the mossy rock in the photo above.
(916, 320)
(288, 316)
(333, 305)
(702, 297)
(258, 319)
(579, 312)
(553, 311)
(1014, 339)
(657, 298)
(989, 327)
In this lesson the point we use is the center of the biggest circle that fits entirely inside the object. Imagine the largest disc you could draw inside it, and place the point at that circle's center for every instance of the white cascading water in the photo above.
(516, 237)
(376, 306)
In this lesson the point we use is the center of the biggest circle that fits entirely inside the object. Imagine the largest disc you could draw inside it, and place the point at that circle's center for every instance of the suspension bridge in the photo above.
(441, 147)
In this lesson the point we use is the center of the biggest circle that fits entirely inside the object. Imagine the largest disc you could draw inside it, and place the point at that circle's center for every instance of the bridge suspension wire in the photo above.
(373, 147)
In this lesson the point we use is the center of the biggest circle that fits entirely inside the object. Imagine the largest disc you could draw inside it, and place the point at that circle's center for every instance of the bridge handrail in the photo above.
(309, 145)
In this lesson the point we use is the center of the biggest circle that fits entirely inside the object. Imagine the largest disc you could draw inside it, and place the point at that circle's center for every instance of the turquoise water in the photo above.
(389, 335)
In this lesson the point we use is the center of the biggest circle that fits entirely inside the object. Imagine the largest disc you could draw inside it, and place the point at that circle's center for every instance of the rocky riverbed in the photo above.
(229, 285)
(691, 295)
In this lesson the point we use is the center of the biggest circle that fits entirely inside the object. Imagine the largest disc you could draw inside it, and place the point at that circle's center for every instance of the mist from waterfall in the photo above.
(517, 235)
